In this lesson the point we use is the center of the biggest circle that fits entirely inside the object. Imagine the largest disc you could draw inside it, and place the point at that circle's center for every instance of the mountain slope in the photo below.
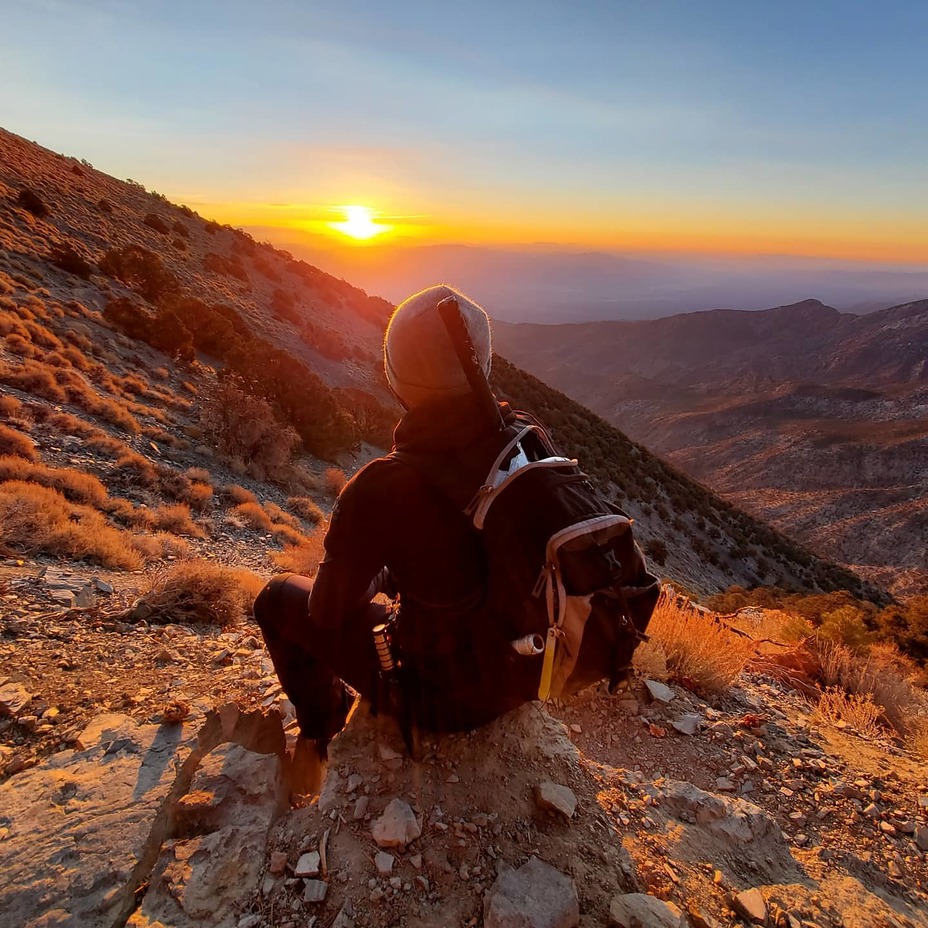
(199, 299)
(811, 419)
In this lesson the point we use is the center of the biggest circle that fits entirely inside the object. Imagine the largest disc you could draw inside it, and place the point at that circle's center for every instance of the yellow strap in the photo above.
(547, 667)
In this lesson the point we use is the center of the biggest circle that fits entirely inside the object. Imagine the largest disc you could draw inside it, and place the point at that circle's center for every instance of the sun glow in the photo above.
(359, 223)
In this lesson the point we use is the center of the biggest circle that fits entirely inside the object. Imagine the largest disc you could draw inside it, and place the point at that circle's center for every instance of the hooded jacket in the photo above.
(390, 515)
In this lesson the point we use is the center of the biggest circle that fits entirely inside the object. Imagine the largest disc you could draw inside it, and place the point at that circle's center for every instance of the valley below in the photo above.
(814, 421)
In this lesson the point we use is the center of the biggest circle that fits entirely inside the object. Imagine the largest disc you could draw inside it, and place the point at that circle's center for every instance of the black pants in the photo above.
(313, 666)
(455, 690)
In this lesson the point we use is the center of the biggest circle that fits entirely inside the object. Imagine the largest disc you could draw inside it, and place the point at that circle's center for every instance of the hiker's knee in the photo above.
(283, 602)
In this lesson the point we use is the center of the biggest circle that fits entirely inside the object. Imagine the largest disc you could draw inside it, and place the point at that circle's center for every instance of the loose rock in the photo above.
(751, 905)
(307, 865)
(384, 863)
(556, 798)
(638, 910)
(534, 896)
(315, 891)
(397, 827)
(659, 691)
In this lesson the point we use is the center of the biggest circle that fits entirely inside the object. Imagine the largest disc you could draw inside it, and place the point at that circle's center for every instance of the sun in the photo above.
(359, 223)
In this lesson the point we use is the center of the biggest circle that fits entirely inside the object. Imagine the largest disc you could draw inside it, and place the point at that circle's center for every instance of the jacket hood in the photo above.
(445, 425)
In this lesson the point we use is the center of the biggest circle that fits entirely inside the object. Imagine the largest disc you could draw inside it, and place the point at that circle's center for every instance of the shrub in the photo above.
(33, 377)
(242, 426)
(29, 200)
(199, 592)
(199, 494)
(42, 336)
(860, 712)
(200, 475)
(902, 705)
(303, 558)
(14, 444)
(656, 550)
(160, 545)
(155, 222)
(11, 408)
(36, 519)
(700, 653)
(307, 509)
(281, 517)
(176, 518)
(140, 269)
(65, 257)
(18, 345)
(137, 470)
(253, 514)
(239, 494)
(74, 484)
(334, 480)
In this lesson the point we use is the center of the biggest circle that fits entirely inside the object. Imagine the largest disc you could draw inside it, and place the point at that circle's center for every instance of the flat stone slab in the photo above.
(80, 823)
(658, 691)
(534, 896)
(203, 879)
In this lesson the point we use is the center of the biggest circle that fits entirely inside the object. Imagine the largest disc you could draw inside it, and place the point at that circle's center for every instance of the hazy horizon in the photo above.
(546, 282)
(792, 129)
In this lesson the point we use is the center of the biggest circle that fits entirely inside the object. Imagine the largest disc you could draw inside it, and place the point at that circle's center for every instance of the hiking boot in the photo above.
(306, 769)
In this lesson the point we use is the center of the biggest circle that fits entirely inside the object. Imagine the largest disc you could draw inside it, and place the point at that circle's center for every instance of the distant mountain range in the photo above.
(551, 284)
(815, 420)
(133, 289)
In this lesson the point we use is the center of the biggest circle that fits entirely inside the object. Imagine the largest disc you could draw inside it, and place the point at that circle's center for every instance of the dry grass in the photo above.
(11, 408)
(33, 377)
(883, 675)
(700, 653)
(253, 514)
(136, 469)
(199, 495)
(14, 444)
(239, 494)
(176, 518)
(860, 712)
(307, 509)
(334, 480)
(161, 545)
(67, 424)
(199, 592)
(74, 484)
(281, 517)
(200, 475)
(36, 519)
(303, 558)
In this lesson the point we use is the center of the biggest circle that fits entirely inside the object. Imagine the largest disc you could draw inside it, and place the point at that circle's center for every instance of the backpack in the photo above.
(564, 575)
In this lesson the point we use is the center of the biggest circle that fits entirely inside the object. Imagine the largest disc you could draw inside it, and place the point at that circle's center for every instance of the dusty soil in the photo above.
(832, 839)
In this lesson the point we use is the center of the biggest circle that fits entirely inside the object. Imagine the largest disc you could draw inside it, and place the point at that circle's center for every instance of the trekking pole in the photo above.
(454, 322)
(399, 705)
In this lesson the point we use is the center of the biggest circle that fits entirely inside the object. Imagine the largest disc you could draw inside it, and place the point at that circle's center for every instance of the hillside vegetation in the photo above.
(180, 407)
(178, 343)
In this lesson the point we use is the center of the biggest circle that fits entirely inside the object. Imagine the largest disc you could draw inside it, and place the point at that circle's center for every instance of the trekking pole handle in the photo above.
(382, 646)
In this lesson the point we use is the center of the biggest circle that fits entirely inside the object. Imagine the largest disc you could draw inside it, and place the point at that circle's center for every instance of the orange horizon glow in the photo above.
(851, 238)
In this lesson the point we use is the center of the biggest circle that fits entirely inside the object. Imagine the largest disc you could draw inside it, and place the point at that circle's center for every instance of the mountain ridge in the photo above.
(760, 404)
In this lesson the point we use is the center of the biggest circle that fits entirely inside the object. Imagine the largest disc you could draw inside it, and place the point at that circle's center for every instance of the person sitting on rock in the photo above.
(393, 531)
(456, 610)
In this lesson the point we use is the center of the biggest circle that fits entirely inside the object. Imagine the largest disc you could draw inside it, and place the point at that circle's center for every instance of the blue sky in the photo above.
(741, 125)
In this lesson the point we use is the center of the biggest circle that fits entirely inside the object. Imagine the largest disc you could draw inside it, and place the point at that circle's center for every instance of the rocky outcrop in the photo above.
(84, 830)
